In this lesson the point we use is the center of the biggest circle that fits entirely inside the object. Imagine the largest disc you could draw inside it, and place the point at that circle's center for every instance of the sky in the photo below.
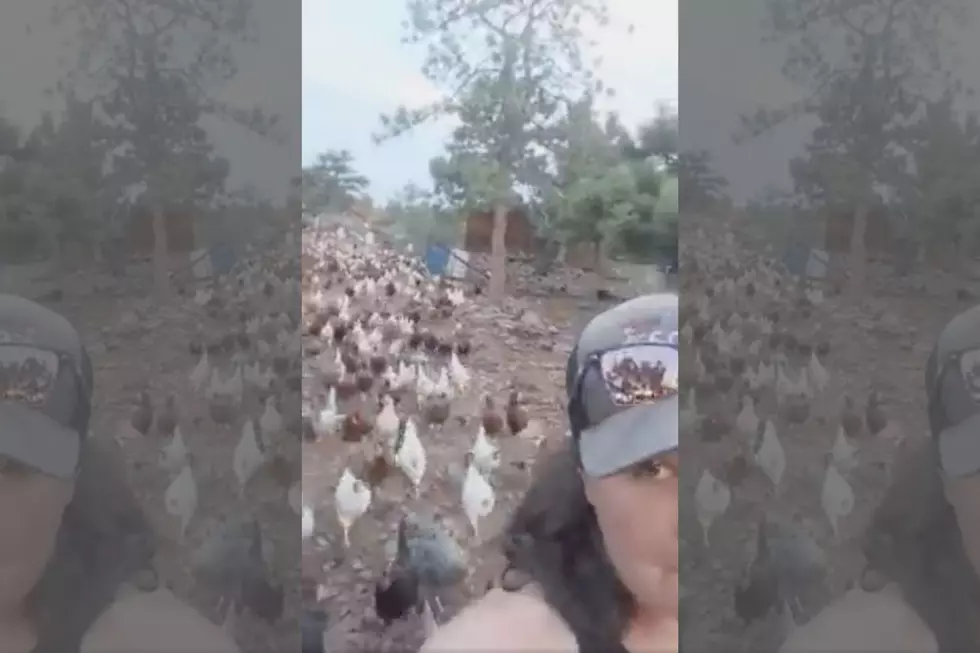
(355, 68)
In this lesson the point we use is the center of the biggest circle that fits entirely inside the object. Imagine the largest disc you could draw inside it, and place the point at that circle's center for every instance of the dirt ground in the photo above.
(879, 344)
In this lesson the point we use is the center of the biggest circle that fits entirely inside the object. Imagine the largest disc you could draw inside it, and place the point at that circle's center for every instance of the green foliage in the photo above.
(157, 67)
(880, 126)
(331, 183)
(144, 78)
(418, 218)
(50, 186)
(943, 194)
(618, 194)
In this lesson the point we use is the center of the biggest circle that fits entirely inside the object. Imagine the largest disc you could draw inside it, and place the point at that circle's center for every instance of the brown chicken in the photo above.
(352, 363)
(463, 345)
(378, 364)
(874, 415)
(222, 409)
(431, 342)
(436, 411)
(377, 470)
(850, 420)
(516, 413)
(317, 324)
(355, 427)
(346, 388)
(340, 331)
(493, 423)
(365, 380)
(167, 420)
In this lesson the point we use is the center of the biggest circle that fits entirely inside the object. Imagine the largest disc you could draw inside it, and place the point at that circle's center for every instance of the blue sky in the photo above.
(355, 69)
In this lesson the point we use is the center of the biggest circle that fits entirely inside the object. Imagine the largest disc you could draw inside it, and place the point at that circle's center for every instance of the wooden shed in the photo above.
(181, 233)
(878, 236)
(581, 256)
(479, 233)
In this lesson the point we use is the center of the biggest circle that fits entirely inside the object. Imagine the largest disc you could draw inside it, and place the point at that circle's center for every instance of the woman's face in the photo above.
(964, 495)
(31, 507)
(637, 513)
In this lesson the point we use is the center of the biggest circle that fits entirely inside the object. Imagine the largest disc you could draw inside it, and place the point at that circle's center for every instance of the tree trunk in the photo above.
(498, 253)
(161, 253)
(859, 258)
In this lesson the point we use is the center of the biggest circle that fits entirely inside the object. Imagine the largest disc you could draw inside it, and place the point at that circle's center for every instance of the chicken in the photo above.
(397, 595)
(355, 426)
(437, 411)
(352, 499)
(166, 421)
(231, 560)
(142, 418)
(492, 422)
(517, 417)
(875, 416)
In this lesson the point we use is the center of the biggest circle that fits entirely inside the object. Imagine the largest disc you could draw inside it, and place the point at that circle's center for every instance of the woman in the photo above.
(73, 536)
(596, 535)
(921, 593)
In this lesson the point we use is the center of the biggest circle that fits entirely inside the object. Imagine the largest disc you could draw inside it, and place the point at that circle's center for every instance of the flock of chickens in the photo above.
(226, 451)
(388, 396)
(781, 442)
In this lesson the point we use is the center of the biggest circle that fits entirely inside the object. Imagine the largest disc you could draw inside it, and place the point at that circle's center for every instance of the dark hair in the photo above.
(554, 539)
(915, 541)
(104, 539)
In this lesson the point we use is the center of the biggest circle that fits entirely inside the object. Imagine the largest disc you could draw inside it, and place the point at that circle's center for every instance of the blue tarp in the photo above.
(436, 259)
(223, 257)
(804, 261)
(796, 258)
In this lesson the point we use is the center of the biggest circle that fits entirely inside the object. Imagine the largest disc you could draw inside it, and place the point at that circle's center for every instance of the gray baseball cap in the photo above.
(618, 416)
(45, 388)
(953, 387)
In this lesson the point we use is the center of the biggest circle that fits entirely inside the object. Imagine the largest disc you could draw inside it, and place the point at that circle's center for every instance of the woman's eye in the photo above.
(12, 469)
(653, 470)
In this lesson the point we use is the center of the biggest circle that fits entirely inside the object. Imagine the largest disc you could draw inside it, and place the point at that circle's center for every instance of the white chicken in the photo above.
(388, 423)
(247, 457)
(747, 421)
(410, 456)
(352, 498)
(770, 455)
(180, 498)
(712, 498)
(270, 423)
(175, 452)
(486, 456)
(843, 453)
(836, 498)
(478, 497)
(199, 375)
(327, 420)
(309, 522)
(460, 375)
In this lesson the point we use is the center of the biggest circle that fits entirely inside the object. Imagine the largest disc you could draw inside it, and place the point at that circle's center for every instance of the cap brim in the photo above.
(37, 441)
(959, 447)
(630, 437)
